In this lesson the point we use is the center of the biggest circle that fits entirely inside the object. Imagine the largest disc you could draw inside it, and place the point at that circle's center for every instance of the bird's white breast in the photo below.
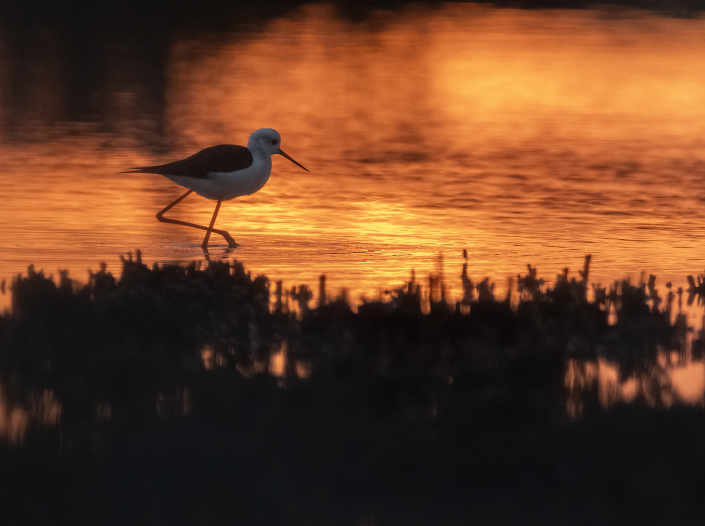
(221, 186)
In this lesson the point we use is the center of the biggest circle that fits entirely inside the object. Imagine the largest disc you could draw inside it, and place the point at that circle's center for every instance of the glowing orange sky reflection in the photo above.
(522, 136)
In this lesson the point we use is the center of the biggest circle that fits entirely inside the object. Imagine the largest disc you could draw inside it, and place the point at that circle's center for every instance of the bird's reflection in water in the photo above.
(223, 256)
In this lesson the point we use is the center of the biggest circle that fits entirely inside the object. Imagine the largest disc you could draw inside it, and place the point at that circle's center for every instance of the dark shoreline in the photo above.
(451, 416)
(131, 15)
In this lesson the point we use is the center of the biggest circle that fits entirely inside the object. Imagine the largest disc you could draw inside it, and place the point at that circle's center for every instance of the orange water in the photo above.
(522, 136)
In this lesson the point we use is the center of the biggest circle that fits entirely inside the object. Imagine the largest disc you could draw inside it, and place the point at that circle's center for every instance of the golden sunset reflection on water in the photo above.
(522, 136)
(674, 380)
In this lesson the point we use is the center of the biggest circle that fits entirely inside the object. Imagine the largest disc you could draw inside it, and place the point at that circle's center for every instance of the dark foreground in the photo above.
(409, 411)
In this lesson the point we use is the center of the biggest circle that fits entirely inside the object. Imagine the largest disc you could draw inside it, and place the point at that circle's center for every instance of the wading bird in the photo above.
(221, 173)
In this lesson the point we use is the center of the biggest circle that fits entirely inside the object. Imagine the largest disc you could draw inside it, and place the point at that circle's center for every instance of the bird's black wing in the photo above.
(220, 158)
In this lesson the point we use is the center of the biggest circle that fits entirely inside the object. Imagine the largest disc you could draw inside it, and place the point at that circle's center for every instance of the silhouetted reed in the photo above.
(190, 377)
(127, 342)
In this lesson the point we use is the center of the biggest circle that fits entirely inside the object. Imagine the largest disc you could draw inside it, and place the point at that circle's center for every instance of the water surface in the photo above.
(521, 136)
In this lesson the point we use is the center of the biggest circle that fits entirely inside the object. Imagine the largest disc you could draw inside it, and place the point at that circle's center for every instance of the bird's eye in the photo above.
(274, 141)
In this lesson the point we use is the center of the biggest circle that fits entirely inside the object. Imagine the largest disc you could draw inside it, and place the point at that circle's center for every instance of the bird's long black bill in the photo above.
(292, 160)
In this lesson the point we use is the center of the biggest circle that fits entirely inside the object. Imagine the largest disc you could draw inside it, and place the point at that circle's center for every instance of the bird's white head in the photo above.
(265, 140)
(268, 141)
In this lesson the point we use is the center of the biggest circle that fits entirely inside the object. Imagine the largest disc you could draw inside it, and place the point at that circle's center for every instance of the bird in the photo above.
(221, 173)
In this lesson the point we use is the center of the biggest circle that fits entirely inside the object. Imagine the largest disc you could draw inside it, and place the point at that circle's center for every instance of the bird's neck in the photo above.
(260, 154)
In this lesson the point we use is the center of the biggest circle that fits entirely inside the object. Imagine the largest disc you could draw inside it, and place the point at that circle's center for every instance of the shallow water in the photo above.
(522, 136)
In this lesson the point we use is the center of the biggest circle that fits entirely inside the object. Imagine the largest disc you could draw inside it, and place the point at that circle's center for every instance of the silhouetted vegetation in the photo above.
(186, 397)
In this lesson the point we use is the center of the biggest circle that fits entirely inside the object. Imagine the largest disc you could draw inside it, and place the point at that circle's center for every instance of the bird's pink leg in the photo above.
(210, 227)
(160, 217)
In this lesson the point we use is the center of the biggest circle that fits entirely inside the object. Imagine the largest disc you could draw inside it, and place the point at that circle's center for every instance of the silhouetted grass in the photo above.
(410, 411)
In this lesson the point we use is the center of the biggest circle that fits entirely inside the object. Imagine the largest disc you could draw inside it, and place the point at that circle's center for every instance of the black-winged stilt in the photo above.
(221, 173)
